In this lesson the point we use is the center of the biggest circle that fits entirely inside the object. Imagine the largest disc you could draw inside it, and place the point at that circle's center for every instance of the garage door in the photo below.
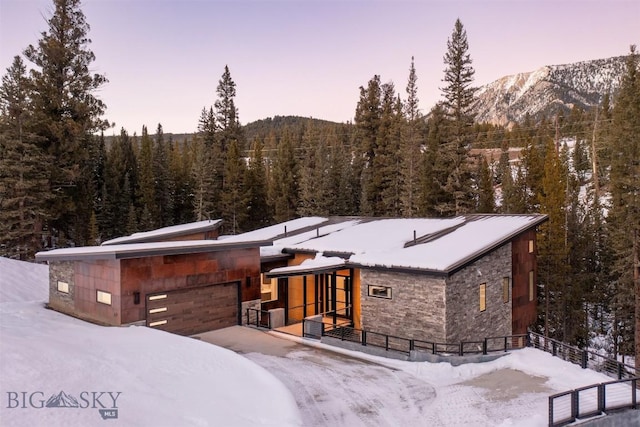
(191, 311)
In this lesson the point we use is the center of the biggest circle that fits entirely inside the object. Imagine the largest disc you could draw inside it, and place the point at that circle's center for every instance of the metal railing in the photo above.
(406, 345)
(584, 358)
(258, 318)
(592, 400)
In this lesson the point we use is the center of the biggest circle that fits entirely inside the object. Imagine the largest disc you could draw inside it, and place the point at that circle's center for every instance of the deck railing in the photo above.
(592, 400)
(258, 318)
(406, 345)
(584, 358)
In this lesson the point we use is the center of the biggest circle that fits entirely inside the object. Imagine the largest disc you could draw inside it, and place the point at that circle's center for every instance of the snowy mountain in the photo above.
(548, 90)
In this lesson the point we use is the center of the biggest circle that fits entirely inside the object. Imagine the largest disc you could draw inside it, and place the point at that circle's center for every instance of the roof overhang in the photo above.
(309, 267)
(143, 250)
(162, 234)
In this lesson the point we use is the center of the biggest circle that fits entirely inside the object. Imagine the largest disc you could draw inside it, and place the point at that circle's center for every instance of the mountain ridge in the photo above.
(548, 90)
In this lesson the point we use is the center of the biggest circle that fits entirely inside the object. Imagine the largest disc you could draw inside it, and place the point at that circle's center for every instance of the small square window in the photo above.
(505, 289)
(103, 297)
(379, 291)
(483, 297)
(63, 287)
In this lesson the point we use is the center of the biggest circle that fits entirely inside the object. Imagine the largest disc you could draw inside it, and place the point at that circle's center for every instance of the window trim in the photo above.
(483, 297)
(103, 297)
(531, 285)
(63, 287)
(506, 289)
(388, 291)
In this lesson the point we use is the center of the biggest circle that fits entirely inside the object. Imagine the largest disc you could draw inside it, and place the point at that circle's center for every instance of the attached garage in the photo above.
(184, 287)
(191, 311)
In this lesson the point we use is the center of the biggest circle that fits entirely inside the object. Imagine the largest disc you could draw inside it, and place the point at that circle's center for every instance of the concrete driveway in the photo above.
(332, 389)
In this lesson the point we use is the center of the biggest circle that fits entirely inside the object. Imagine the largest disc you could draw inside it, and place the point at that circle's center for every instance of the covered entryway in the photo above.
(306, 291)
(194, 310)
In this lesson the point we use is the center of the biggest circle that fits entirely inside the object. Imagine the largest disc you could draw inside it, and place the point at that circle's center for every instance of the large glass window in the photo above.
(268, 288)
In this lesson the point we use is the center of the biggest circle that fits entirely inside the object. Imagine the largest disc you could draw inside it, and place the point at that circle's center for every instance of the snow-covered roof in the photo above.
(138, 250)
(433, 244)
(276, 231)
(166, 232)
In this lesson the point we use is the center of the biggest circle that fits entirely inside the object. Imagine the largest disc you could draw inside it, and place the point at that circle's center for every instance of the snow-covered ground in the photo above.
(162, 379)
(168, 380)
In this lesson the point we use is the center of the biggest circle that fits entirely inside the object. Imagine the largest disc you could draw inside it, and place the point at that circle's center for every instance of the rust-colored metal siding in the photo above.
(524, 310)
(168, 273)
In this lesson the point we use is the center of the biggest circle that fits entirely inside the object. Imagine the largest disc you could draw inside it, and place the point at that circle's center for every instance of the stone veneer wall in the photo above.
(465, 321)
(416, 309)
(255, 304)
(64, 272)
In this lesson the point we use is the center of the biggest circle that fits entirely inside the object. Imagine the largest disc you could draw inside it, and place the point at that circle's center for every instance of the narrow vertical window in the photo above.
(483, 297)
(531, 246)
(505, 289)
(531, 287)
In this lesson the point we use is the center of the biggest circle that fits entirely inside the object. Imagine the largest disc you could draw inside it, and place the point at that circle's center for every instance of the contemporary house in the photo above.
(446, 280)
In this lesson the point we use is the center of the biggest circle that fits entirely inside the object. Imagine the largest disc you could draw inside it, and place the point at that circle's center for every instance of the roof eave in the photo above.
(144, 253)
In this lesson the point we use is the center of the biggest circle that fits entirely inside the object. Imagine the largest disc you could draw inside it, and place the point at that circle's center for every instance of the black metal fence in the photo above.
(584, 358)
(406, 345)
(258, 318)
(593, 400)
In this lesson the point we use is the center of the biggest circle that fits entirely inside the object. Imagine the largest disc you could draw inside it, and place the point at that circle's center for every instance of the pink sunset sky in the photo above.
(163, 58)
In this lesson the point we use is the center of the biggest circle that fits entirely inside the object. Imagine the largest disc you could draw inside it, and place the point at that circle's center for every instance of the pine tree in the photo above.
(164, 187)
(486, 195)
(386, 175)
(433, 173)
(147, 188)
(624, 215)
(235, 197)
(458, 102)
(258, 212)
(283, 190)
(367, 121)
(24, 182)
(553, 251)
(208, 167)
(204, 206)
(66, 112)
(315, 192)
(342, 181)
(410, 149)
(180, 172)
(117, 189)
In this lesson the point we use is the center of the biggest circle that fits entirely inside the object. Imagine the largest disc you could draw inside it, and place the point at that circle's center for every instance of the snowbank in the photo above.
(23, 281)
(163, 379)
